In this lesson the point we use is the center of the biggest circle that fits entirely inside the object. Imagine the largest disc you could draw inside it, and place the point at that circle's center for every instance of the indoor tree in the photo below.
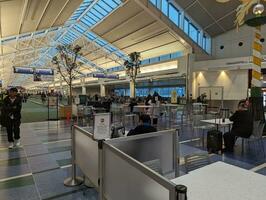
(67, 65)
(132, 70)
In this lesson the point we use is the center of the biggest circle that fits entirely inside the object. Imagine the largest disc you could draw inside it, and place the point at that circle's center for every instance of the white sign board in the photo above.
(102, 126)
(52, 101)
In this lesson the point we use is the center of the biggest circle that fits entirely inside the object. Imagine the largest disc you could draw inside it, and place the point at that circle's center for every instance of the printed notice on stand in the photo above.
(102, 125)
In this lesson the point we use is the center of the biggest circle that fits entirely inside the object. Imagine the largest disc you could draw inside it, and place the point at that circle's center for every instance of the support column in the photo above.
(132, 87)
(102, 90)
(61, 86)
(256, 82)
(83, 92)
(83, 87)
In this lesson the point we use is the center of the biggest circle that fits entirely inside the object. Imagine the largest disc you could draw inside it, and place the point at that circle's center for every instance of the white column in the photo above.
(132, 87)
(83, 87)
(102, 90)
(83, 92)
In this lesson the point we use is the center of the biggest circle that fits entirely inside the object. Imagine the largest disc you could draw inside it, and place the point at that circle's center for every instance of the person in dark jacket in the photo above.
(12, 114)
(144, 126)
(242, 126)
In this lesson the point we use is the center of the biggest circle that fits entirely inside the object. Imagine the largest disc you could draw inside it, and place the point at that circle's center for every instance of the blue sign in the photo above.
(29, 70)
(110, 76)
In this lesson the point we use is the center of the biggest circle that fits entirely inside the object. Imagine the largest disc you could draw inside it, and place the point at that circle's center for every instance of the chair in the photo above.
(257, 133)
(196, 161)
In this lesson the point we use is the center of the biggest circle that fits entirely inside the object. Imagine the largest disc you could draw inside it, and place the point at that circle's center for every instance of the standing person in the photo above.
(12, 114)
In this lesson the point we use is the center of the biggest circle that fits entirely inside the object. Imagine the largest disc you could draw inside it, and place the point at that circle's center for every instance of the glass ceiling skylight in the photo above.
(83, 19)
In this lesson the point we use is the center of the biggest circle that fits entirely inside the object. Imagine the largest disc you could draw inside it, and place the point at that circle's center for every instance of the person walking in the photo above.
(12, 114)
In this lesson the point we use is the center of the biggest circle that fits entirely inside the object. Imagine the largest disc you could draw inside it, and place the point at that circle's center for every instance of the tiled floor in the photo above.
(37, 169)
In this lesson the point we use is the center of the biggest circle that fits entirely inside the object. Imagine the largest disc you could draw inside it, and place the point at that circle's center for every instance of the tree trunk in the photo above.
(70, 94)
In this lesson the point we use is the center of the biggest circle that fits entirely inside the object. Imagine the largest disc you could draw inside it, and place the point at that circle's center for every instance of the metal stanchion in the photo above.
(74, 180)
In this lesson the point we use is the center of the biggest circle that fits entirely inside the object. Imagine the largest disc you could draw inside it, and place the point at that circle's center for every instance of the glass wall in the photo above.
(143, 92)
(177, 16)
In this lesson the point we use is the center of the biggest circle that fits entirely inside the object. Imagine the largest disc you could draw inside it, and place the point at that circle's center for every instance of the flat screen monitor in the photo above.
(83, 99)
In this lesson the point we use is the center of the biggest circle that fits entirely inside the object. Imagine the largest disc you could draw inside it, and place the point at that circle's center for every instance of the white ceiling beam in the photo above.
(43, 13)
(60, 12)
(23, 14)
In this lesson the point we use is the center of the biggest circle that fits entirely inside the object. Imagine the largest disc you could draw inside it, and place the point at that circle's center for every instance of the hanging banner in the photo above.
(109, 76)
(30, 70)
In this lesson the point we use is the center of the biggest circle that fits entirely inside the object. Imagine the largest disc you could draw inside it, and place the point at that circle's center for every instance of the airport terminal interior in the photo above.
(132, 99)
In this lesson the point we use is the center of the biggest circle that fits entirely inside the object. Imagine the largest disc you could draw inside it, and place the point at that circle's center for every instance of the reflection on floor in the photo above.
(37, 169)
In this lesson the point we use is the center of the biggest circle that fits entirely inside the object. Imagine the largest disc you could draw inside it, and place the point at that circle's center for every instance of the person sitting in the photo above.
(144, 126)
(242, 126)
(132, 103)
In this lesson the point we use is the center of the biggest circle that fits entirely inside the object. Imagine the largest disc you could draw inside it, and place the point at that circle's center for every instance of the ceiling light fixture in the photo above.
(258, 9)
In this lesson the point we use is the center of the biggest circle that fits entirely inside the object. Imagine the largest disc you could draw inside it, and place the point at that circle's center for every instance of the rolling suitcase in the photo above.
(214, 141)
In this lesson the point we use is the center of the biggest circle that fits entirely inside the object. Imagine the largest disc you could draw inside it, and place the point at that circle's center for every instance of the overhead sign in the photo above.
(45, 78)
(109, 76)
(29, 70)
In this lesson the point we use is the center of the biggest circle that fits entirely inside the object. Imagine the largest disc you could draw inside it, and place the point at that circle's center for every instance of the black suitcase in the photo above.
(214, 141)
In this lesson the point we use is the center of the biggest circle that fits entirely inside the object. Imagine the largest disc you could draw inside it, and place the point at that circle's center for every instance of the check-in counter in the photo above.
(134, 167)
(87, 153)
(140, 167)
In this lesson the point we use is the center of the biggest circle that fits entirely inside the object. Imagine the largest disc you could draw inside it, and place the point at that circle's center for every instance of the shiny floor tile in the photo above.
(6, 153)
(262, 171)
(56, 177)
(36, 149)
(86, 194)
(42, 163)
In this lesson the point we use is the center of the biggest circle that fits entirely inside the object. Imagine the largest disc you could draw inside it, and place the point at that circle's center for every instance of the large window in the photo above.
(189, 27)
(193, 32)
(165, 7)
(143, 92)
(174, 14)
(186, 25)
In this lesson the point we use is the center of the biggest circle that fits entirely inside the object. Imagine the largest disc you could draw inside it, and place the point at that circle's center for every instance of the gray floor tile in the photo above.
(21, 193)
(30, 141)
(36, 149)
(11, 154)
(61, 155)
(56, 177)
(17, 170)
(86, 194)
(262, 171)
(42, 163)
